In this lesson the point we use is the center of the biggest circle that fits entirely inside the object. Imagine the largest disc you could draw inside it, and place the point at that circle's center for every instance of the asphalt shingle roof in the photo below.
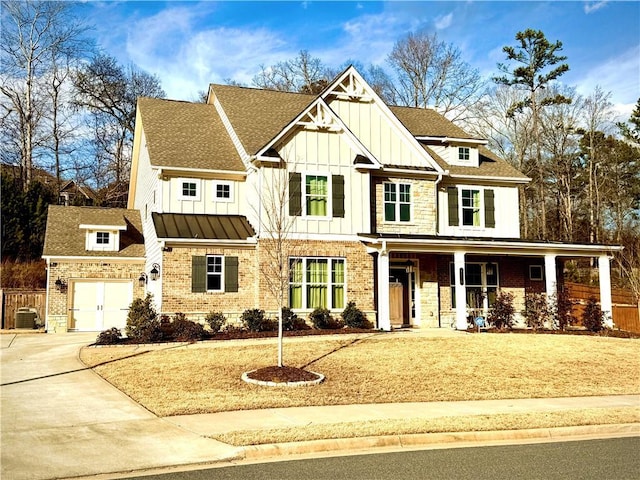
(65, 238)
(188, 135)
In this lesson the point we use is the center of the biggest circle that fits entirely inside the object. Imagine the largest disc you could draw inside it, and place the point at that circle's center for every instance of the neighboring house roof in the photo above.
(202, 227)
(187, 135)
(65, 238)
(70, 186)
(257, 115)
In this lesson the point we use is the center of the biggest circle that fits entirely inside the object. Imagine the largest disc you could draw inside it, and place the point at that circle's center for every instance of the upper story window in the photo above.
(463, 153)
(471, 207)
(102, 238)
(397, 202)
(223, 191)
(316, 195)
(189, 189)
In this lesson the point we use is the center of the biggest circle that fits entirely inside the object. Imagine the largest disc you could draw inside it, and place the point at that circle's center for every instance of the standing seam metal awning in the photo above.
(202, 227)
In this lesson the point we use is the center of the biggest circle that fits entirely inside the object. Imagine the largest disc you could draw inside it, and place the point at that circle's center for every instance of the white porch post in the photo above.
(461, 291)
(606, 304)
(550, 275)
(384, 319)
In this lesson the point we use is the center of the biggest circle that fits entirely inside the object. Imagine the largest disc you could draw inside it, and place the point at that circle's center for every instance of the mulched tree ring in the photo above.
(282, 377)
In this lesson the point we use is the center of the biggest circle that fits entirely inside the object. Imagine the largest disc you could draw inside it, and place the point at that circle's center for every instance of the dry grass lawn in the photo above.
(380, 368)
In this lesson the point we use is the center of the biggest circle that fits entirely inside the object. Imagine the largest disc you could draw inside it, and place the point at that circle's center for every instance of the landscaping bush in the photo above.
(186, 330)
(536, 310)
(502, 311)
(563, 310)
(321, 319)
(109, 337)
(255, 321)
(592, 317)
(215, 320)
(143, 325)
(354, 317)
(291, 321)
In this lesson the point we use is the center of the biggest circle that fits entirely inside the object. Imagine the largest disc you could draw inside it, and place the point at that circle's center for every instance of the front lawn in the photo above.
(376, 368)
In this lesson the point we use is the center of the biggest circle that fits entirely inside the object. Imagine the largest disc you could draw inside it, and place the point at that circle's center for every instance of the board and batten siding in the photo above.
(383, 139)
(206, 202)
(318, 152)
(507, 220)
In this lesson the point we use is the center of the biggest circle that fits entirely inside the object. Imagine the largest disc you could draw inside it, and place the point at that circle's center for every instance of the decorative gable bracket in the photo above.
(320, 117)
(351, 88)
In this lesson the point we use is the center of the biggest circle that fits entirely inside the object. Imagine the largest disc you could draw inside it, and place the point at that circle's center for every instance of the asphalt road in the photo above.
(610, 459)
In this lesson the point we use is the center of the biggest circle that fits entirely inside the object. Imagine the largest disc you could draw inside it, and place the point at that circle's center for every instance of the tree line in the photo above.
(69, 109)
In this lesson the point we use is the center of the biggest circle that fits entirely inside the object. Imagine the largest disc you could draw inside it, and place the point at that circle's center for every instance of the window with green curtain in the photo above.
(296, 278)
(337, 283)
(316, 193)
(317, 282)
(471, 208)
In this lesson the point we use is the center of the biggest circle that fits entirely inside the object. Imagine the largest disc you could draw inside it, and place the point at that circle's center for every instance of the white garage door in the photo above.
(99, 305)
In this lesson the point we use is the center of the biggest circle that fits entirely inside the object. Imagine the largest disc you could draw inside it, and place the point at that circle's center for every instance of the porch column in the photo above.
(461, 291)
(606, 304)
(384, 319)
(550, 275)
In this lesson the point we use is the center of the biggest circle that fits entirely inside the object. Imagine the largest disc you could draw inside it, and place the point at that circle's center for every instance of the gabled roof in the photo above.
(65, 238)
(187, 135)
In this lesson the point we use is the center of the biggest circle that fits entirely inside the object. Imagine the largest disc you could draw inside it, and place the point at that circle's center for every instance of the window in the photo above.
(317, 283)
(535, 272)
(397, 202)
(471, 208)
(316, 195)
(463, 153)
(481, 281)
(102, 238)
(214, 273)
(223, 191)
(189, 189)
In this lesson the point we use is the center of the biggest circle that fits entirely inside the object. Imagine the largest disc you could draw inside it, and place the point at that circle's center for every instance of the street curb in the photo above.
(353, 445)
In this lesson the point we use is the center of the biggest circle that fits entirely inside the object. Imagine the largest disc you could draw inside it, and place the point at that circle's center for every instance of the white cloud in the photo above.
(590, 7)
(444, 21)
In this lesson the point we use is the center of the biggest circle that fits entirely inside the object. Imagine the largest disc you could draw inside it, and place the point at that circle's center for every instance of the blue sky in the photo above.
(190, 44)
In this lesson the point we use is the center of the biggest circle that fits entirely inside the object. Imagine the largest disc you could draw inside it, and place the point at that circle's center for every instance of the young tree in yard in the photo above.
(536, 66)
(276, 245)
(35, 37)
(431, 73)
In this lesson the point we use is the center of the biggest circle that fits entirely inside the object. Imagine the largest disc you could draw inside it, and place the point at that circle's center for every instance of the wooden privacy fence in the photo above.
(13, 299)
(626, 308)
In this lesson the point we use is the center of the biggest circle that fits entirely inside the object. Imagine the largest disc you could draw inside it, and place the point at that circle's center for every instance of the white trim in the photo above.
(56, 258)
(329, 283)
(162, 170)
(397, 203)
(195, 181)
(103, 228)
(475, 178)
(536, 278)
(206, 241)
(227, 183)
(303, 188)
(222, 273)
(472, 141)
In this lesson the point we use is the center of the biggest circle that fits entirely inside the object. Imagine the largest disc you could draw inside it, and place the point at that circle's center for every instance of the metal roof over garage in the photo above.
(202, 227)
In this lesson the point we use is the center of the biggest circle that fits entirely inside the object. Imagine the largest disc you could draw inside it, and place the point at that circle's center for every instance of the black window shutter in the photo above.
(199, 274)
(295, 194)
(230, 274)
(337, 193)
(489, 209)
(452, 193)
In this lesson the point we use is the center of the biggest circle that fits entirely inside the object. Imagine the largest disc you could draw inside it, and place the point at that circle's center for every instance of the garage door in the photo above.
(99, 305)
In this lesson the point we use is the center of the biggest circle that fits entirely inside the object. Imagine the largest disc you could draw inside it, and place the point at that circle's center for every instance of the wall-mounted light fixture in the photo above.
(142, 280)
(60, 285)
(154, 274)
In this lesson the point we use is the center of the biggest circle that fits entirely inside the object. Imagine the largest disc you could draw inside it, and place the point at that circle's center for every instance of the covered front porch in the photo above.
(427, 281)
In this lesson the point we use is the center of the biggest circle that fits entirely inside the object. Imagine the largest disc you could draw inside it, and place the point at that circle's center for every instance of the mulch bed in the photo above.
(573, 331)
(282, 375)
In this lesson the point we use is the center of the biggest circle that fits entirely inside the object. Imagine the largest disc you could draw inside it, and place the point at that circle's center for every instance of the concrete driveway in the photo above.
(59, 419)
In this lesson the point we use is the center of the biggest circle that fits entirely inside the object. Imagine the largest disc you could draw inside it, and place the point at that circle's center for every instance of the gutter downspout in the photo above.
(46, 303)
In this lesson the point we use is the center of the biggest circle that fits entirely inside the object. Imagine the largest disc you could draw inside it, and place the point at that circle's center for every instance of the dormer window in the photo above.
(102, 238)
(463, 154)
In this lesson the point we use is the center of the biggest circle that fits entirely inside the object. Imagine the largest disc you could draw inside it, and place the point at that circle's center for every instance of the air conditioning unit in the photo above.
(25, 317)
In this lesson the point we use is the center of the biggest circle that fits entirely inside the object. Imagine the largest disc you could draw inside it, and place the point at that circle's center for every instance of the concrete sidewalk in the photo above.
(61, 420)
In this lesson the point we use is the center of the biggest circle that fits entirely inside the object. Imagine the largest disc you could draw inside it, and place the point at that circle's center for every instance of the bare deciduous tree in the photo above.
(304, 74)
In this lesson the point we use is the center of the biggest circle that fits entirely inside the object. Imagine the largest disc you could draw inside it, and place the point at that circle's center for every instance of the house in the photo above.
(393, 208)
(72, 193)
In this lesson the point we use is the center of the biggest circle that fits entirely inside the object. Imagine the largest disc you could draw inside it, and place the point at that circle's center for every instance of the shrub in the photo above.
(563, 310)
(592, 317)
(502, 311)
(109, 337)
(143, 325)
(255, 321)
(291, 321)
(215, 320)
(354, 317)
(536, 310)
(321, 319)
(186, 330)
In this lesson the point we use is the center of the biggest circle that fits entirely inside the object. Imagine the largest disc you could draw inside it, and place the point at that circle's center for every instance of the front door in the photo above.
(399, 297)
